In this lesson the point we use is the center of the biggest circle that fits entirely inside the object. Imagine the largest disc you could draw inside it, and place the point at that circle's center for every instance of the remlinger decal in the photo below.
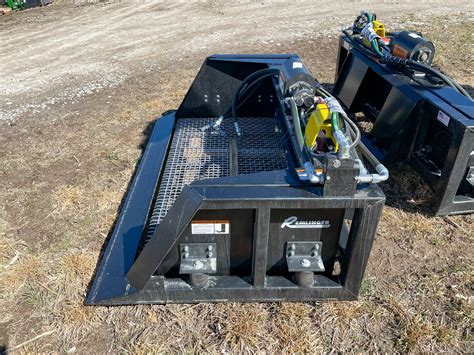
(292, 222)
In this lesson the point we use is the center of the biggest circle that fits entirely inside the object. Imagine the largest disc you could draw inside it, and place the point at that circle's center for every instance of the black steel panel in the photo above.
(234, 250)
(359, 243)
(165, 238)
(287, 225)
(260, 247)
(121, 250)
(232, 288)
(212, 91)
(430, 126)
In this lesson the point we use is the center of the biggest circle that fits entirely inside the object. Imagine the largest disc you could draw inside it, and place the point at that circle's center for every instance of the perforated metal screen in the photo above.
(197, 155)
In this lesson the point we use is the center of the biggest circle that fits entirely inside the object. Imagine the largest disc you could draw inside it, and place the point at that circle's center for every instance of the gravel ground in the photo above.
(80, 87)
(59, 55)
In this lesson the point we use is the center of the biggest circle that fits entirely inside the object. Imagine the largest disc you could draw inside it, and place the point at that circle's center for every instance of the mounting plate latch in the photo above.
(197, 258)
(304, 256)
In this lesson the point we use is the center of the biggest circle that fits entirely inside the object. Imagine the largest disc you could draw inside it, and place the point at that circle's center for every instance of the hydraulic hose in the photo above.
(427, 69)
(254, 76)
(249, 82)
(244, 90)
(336, 109)
(357, 44)
(344, 146)
(390, 59)
(307, 165)
(423, 68)
(297, 124)
(382, 171)
(364, 177)
(334, 119)
(356, 131)
(376, 48)
(246, 93)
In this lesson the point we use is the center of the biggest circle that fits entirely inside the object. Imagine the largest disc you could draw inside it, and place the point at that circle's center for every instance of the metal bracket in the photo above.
(304, 256)
(198, 258)
(470, 175)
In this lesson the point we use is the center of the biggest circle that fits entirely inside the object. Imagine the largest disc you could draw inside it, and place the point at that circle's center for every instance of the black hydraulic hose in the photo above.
(252, 77)
(238, 96)
(247, 83)
(245, 92)
(429, 70)
(432, 72)
(244, 89)
(390, 59)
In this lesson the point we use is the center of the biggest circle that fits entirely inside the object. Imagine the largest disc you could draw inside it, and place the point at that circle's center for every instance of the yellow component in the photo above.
(379, 29)
(319, 122)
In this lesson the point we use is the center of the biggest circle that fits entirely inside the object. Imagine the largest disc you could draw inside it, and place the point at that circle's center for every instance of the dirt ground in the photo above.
(80, 85)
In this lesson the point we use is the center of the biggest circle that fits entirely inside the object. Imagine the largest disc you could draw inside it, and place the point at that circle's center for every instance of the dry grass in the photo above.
(65, 184)
(293, 328)
(68, 197)
(27, 271)
(242, 326)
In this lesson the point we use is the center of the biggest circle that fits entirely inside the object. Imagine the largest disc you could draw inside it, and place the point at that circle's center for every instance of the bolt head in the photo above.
(291, 253)
(198, 264)
(305, 263)
(185, 255)
(210, 254)
(336, 163)
(209, 248)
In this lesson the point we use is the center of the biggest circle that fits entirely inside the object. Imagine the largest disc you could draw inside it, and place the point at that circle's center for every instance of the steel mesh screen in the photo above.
(197, 155)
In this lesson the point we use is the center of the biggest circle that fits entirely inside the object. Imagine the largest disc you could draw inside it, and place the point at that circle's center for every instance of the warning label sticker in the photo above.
(443, 118)
(210, 227)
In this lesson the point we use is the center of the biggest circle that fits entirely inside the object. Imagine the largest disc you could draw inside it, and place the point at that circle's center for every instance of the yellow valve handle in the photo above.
(318, 121)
